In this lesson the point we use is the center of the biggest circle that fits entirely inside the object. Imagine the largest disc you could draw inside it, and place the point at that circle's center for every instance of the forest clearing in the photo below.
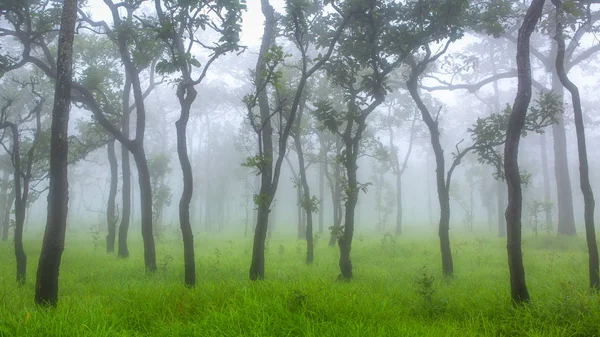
(389, 296)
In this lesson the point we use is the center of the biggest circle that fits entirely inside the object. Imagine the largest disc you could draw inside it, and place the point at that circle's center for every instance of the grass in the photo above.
(398, 290)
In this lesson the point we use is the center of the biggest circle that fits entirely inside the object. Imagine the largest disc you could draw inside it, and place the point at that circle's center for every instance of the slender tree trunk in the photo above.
(4, 205)
(139, 156)
(586, 188)
(257, 265)
(345, 239)
(321, 194)
(443, 193)
(186, 95)
(46, 290)
(111, 218)
(306, 198)
(123, 251)
(519, 292)
(566, 217)
(6, 215)
(398, 204)
(546, 174)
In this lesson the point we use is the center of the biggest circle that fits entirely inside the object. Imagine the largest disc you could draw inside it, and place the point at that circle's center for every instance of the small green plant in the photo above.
(387, 239)
(164, 264)
(316, 237)
(425, 285)
(95, 234)
(281, 250)
(296, 301)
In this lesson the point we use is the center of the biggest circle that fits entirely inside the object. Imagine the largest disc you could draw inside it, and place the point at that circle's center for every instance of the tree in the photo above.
(22, 177)
(267, 75)
(180, 23)
(444, 22)
(519, 293)
(586, 188)
(46, 289)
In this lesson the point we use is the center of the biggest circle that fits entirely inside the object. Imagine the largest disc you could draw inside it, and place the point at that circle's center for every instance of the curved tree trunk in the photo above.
(442, 189)
(519, 292)
(186, 95)
(586, 188)
(111, 217)
(46, 289)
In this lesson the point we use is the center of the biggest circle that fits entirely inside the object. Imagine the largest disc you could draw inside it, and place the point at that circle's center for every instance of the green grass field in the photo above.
(390, 295)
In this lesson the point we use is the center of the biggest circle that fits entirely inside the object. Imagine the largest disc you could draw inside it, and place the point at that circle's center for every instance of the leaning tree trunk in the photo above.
(566, 217)
(586, 188)
(46, 290)
(123, 251)
(4, 205)
(519, 293)
(442, 189)
(139, 156)
(111, 217)
(186, 94)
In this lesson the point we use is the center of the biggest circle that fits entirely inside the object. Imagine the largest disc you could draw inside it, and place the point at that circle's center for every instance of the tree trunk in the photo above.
(4, 205)
(501, 207)
(46, 290)
(345, 239)
(123, 251)
(305, 201)
(586, 188)
(443, 192)
(186, 94)
(398, 204)
(139, 156)
(111, 218)
(546, 174)
(566, 217)
(519, 293)
(264, 199)
(321, 194)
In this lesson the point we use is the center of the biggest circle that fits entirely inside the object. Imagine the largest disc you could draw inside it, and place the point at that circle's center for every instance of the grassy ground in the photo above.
(391, 295)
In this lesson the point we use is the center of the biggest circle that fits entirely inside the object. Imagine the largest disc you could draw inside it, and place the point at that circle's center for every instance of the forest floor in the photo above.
(398, 290)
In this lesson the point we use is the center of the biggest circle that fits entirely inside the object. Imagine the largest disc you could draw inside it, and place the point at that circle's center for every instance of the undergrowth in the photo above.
(398, 290)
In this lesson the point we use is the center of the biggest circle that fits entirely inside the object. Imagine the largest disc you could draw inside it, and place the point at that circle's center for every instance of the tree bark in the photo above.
(186, 94)
(586, 188)
(442, 188)
(139, 156)
(306, 197)
(321, 194)
(111, 217)
(4, 205)
(257, 264)
(345, 239)
(519, 293)
(546, 175)
(123, 251)
(46, 290)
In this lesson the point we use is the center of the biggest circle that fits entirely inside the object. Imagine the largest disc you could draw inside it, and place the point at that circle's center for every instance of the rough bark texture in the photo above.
(584, 179)
(345, 239)
(516, 122)
(442, 188)
(111, 216)
(46, 290)
(123, 251)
